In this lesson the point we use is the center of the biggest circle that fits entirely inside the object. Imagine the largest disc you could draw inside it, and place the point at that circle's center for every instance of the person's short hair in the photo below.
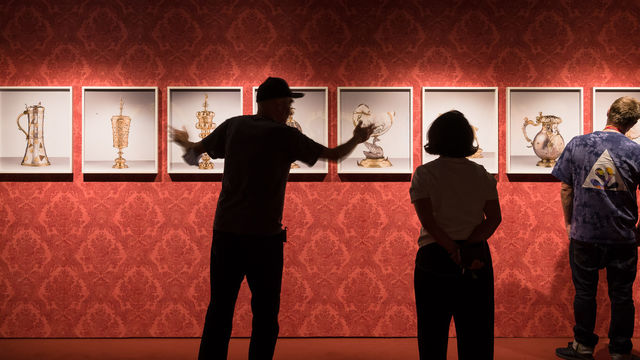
(450, 135)
(624, 112)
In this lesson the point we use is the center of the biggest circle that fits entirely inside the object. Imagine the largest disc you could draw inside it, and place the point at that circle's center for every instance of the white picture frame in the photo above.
(603, 97)
(564, 102)
(480, 107)
(99, 104)
(312, 114)
(183, 102)
(396, 143)
(57, 128)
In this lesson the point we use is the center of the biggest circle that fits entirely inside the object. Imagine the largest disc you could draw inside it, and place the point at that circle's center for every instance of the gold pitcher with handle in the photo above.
(548, 143)
(35, 154)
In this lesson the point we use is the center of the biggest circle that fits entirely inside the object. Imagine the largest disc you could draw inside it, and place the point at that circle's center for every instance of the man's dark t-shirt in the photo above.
(258, 154)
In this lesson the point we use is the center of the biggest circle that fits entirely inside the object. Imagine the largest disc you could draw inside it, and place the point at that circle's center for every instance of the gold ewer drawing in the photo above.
(294, 124)
(35, 154)
(548, 143)
(478, 153)
(120, 125)
(374, 155)
(205, 124)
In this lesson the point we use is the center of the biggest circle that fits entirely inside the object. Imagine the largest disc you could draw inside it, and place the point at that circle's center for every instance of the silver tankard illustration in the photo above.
(35, 154)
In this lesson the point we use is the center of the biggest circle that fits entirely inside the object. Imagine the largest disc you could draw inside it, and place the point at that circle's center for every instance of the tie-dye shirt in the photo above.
(604, 170)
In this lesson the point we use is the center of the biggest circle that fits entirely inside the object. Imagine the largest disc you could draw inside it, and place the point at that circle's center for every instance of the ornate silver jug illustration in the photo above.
(35, 153)
(205, 124)
(120, 126)
(293, 123)
(374, 156)
(548, 143)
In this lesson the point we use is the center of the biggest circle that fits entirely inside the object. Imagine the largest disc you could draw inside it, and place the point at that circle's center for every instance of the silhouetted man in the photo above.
(247, 231)
(600, 173)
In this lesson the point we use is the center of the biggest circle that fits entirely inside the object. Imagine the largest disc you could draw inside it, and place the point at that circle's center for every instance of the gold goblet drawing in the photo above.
(120, 125)
(374, 156)
(205, 124)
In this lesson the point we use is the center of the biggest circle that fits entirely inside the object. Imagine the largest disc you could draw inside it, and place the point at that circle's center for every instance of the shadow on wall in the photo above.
(547, 305)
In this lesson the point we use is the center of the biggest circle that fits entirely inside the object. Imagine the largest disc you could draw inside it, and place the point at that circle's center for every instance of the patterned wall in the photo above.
(109, 258)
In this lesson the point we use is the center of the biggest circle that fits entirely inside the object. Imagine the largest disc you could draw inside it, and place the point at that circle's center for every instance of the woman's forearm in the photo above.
(492, 219)
(428, 222)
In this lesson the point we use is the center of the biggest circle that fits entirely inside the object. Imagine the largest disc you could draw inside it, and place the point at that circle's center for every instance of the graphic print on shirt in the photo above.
(604, 175)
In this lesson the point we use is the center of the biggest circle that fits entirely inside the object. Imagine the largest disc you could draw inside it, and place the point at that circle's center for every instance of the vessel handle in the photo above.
(18, 122)
(526, 123)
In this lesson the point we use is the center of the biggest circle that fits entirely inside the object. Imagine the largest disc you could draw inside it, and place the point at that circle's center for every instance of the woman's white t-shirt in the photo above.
(458, 189)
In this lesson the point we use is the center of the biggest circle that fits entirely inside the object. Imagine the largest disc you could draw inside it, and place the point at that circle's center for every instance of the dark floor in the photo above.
(287, 349)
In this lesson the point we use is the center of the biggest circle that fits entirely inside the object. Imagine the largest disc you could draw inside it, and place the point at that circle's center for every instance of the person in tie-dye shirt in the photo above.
(600, 173)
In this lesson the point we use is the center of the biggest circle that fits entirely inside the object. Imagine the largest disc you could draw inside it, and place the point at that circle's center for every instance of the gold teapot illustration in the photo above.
(205, 124)
(120, 126)
(374, 155)
(35, 153)
(294, 124)
(548, 143)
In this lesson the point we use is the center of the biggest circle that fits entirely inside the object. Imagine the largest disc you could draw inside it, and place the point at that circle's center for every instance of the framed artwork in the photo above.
(480, 107)
(119, 130)
(199, 110)
(389, 150)
(603, 97)
(540, 121)
(310, 116)
(36, 130)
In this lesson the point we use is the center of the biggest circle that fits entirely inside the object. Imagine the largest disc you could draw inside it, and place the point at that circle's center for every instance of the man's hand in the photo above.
(362, 134)
(180, 137)
(454, 252)
(476, 265)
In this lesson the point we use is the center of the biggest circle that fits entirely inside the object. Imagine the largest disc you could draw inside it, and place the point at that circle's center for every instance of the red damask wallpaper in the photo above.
(110, 258)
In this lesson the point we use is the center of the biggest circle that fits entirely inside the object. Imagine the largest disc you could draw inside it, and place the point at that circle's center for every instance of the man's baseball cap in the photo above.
(274, 88)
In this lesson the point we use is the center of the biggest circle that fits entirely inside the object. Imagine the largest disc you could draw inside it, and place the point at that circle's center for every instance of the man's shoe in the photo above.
(615, 356)
(575, 351)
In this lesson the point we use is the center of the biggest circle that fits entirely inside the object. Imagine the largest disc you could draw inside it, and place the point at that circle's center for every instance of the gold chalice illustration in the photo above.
(120, 125)
(205, 124)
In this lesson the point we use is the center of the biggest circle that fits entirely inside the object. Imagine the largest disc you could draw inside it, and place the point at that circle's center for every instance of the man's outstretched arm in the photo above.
(181, 137)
